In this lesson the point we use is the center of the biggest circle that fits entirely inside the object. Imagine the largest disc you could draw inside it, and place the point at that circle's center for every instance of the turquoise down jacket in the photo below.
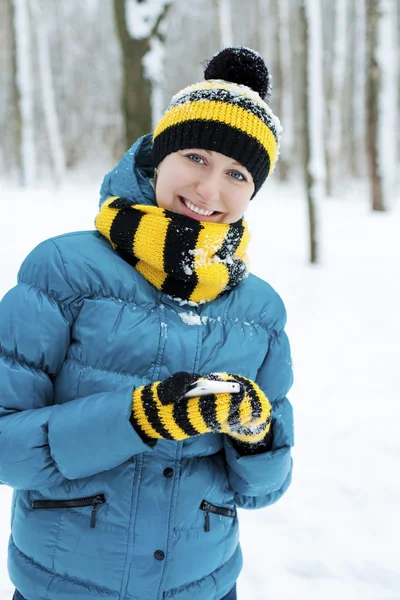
(96, 512)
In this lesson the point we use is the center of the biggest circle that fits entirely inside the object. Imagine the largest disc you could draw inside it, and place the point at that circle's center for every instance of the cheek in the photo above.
(169, 184)
(164, 191)
(237, 205)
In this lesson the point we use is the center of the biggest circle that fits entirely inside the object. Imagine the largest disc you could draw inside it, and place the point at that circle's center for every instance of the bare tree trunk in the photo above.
(335, 98)
(312, 217)
(398, 74)
(282, 93)
(224, 22)
(48, 94)
(138, 32)
(267, 27)
(388, 117)
(136, 95)
(313, 104)
(10, 125)
(25, 86)
(357, 89)
(374, 81)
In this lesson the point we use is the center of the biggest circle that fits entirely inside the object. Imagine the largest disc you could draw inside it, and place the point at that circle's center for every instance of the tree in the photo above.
(48, 93)
(381, 101)
(138, 23)
(87, 74)
(191, 39)
(224, 22)
(9, 101)
(282, 91)
(313, 115)
(335, 97)
(24, 79)
(357, 89)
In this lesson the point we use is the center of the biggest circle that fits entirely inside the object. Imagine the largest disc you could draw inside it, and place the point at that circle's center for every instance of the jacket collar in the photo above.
(132, 177)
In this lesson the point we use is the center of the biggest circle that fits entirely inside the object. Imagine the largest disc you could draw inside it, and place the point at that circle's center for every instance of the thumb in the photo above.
(175, 387)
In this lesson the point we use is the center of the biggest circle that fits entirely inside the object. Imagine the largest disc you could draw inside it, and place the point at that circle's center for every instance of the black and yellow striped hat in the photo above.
(227, 113)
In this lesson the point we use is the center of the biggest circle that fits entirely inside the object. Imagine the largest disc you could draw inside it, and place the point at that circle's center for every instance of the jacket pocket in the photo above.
(222, 511)
(93, 501)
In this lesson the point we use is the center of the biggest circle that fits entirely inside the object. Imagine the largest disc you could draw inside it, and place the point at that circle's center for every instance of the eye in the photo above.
(237, 175)
(195, 158)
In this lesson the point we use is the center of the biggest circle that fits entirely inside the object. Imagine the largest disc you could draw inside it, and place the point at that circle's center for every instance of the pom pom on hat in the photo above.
(240, 65)
(225, 113)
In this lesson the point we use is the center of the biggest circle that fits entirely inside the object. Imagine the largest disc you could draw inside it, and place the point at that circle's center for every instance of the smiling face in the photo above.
(204, 185)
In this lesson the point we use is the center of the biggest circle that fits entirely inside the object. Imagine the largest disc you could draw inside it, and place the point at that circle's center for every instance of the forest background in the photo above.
(81, 80)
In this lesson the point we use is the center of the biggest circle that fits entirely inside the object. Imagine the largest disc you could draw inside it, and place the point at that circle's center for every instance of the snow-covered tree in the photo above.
(335, 97)
(224, 18)
(313, 103)
(267, 33)
(192, 38)
(357, 89)
(139, 23)
(48, 92)
(282, 89)
(25, 84)
(78, 77)
(389, 122)
(382, 118)
(87, 73)
(10, 142)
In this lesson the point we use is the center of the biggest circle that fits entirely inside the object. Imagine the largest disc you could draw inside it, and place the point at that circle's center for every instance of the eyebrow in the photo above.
(235, 162)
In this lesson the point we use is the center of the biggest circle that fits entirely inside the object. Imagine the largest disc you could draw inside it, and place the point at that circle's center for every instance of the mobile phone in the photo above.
(207, 386)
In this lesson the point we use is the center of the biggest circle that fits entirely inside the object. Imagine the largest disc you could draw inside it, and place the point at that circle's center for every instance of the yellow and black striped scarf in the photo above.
(190, 260)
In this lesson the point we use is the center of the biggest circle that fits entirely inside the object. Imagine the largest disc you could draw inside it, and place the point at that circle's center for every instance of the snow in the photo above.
(142, 16)
(147, 20)
(190, 318)
(234, 90)
(153, 63)
(335, 534)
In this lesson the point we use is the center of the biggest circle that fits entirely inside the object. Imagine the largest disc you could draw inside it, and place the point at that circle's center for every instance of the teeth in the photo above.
(199, 211)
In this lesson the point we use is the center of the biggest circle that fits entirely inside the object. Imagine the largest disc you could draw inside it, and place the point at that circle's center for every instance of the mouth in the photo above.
(195, 212)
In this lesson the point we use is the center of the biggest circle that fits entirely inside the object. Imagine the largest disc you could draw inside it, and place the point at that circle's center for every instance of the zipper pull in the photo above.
(96, 502)
(93, 516)
(207, 523)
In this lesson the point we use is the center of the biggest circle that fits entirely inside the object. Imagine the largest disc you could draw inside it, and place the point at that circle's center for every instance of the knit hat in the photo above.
(227, 113)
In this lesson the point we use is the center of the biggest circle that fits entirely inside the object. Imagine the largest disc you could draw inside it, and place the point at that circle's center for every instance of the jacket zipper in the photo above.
(216, 510)
(93, 501)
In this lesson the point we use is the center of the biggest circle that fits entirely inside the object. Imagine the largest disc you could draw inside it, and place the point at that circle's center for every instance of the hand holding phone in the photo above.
(205, 387)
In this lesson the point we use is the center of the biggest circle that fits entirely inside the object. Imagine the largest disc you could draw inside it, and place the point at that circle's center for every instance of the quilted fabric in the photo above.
(96, 511)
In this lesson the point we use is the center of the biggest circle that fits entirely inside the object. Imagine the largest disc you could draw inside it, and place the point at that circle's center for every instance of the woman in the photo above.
(125, 487)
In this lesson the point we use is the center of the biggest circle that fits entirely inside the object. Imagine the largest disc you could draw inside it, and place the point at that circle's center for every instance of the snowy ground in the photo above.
(336, 532)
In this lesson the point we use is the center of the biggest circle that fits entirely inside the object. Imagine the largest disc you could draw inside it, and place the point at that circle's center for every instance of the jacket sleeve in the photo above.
(41, 443)
(261, 479)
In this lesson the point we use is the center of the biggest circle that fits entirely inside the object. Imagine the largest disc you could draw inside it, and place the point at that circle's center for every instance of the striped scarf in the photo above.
(190, 260)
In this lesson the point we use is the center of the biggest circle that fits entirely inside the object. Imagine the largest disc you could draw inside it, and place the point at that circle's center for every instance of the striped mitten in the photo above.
(249, 420)
(160, 410)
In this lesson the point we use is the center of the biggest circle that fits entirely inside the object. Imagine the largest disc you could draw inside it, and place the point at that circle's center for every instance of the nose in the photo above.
(208, 188)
